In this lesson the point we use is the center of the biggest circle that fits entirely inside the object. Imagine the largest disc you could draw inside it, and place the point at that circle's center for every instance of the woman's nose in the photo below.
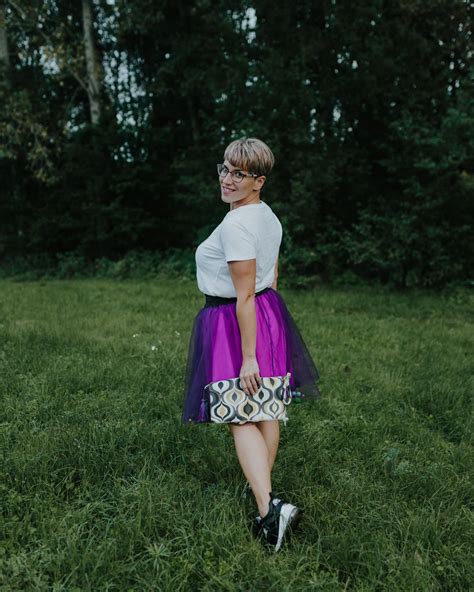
(224, 178)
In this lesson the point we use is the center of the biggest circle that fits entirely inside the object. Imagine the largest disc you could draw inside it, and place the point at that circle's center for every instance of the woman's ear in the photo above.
(260, 181)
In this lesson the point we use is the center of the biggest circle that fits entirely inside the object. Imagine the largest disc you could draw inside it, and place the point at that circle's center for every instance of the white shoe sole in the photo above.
(288, 514)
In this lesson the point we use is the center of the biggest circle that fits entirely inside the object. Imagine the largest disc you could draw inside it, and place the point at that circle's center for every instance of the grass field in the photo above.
(102, 488)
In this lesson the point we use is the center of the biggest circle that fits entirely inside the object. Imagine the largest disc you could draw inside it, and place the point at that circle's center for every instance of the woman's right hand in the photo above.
(250, 379)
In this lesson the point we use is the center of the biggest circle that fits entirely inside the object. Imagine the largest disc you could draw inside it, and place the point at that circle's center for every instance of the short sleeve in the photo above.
(238, 243)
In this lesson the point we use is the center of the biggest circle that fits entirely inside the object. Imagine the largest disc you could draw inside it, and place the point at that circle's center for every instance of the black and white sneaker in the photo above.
(274, 527)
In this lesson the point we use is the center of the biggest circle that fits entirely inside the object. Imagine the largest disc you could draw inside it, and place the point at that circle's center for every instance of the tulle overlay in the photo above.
(215, 351)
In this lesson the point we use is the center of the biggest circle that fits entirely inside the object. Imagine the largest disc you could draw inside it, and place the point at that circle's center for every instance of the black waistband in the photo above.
(216, 300)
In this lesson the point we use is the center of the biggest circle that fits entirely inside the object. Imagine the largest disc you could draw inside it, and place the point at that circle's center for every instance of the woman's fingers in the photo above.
(256, 384)
(251, 384)
(250, 376)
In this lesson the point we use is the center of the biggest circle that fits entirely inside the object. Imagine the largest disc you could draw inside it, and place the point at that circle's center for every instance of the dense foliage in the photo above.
(367, 106)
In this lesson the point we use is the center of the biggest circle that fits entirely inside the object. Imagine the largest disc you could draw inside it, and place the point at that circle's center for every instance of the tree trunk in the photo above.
(93, 84)
(4, 57)
(190, 99)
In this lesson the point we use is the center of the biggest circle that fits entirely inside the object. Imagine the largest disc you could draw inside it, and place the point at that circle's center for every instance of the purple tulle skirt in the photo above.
(215, 351)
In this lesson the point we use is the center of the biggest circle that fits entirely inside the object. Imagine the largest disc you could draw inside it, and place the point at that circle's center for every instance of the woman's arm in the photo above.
(274, 284)
(243, 275)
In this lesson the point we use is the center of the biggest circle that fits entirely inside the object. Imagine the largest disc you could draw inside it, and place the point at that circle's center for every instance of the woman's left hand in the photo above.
(250, 379)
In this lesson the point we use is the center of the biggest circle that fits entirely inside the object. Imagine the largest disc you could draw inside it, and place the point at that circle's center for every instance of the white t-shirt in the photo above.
(248, 232)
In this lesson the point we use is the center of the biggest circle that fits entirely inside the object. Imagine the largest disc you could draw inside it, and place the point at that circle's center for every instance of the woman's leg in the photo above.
(270, 431)
(252, 453)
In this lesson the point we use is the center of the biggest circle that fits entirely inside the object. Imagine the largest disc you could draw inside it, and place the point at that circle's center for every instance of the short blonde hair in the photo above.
(250, 154)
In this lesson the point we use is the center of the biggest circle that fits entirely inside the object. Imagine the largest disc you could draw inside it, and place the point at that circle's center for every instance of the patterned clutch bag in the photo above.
(228, 403)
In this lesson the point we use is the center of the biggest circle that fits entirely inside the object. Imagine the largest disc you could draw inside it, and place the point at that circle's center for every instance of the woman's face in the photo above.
(234, 190)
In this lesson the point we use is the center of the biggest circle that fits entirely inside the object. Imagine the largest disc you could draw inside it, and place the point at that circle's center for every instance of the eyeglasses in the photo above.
(237, 176)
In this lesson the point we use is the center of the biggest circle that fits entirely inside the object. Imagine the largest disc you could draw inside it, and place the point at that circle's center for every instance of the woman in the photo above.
(245, 329)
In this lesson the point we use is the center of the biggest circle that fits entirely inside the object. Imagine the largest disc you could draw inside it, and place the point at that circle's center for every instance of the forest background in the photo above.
(113, 115)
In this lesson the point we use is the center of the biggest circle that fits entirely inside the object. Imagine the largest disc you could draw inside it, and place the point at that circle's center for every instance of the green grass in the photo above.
(102, 488)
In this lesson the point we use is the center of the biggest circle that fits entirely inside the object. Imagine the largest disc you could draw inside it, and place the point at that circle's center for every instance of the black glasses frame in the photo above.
(222, 167)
